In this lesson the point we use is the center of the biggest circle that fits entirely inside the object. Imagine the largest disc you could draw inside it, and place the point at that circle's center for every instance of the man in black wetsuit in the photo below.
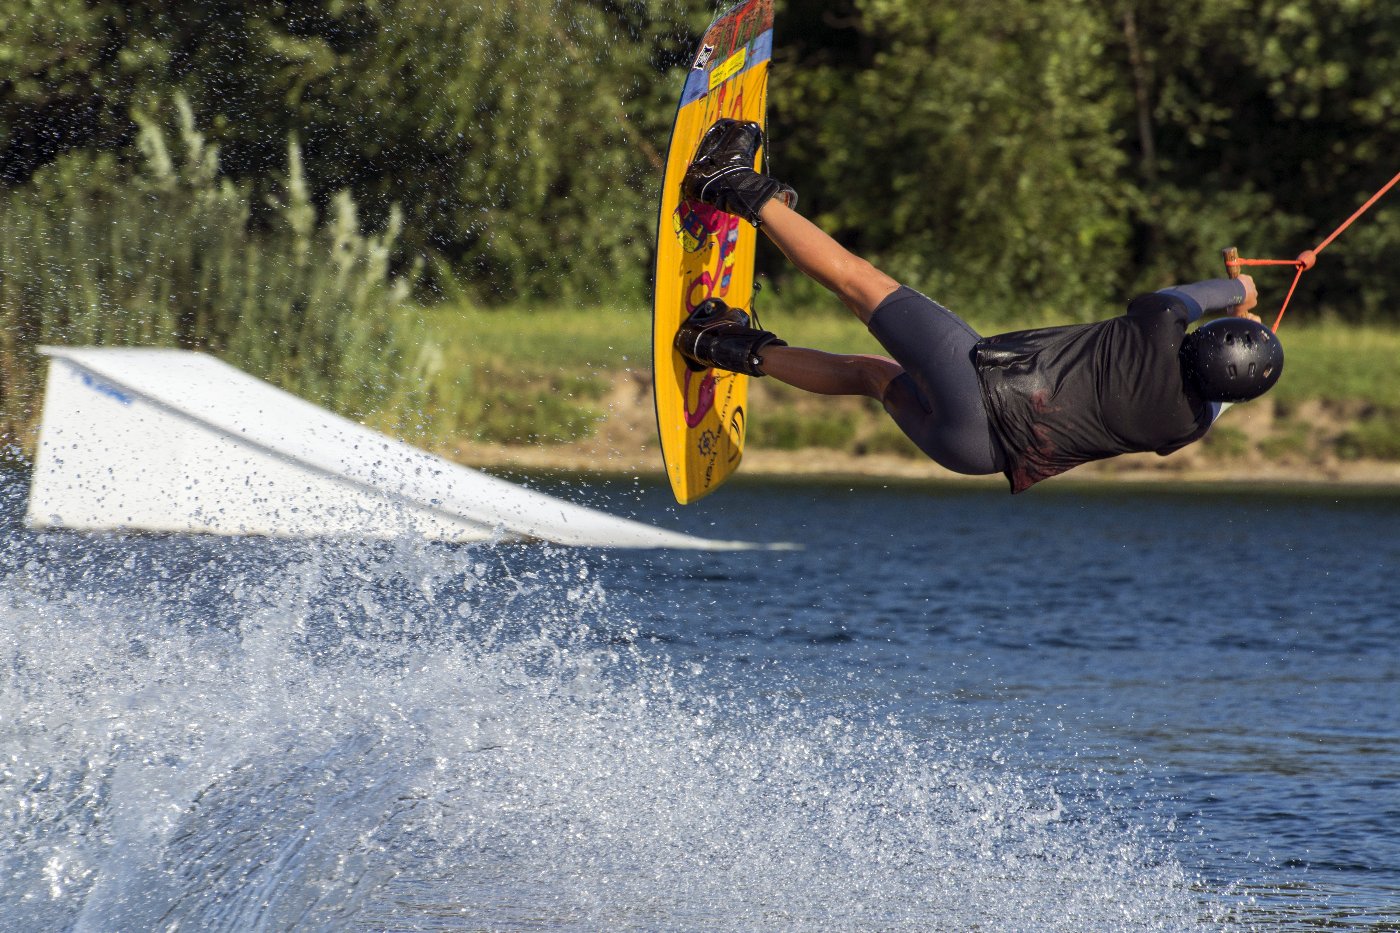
(1029, 404)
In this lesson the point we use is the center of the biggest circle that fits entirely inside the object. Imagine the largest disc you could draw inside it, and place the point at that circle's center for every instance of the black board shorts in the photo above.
(937, 401)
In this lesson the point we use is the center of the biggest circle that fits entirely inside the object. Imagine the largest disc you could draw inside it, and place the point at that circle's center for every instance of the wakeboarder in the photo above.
(1029, 404)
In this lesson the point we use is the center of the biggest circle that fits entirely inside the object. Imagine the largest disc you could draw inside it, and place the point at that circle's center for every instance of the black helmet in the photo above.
(1233, 359)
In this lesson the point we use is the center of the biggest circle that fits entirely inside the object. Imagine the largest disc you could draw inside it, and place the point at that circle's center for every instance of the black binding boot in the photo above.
(716, 336)
(722, 174)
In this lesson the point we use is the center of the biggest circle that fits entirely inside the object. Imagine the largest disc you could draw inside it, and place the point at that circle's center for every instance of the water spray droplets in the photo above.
(368, 732)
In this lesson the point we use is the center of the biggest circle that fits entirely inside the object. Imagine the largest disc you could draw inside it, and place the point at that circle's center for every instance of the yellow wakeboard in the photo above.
(703, 253)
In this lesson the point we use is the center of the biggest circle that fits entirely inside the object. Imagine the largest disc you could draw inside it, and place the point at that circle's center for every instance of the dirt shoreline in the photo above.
(1141, 469)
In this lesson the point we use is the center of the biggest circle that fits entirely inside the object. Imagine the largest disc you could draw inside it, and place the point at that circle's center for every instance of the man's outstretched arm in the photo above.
(1233, 296)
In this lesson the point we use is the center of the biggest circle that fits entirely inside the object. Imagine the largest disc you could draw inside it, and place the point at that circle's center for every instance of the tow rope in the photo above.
(1306, 259)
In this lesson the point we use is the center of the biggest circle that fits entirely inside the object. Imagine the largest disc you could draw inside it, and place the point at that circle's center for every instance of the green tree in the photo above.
(520, 136)
(972, 151)
(1011, 156)
(1263, 124)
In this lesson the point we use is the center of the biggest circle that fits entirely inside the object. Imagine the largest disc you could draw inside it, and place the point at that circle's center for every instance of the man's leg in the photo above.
(930, 388)
(830, 373)
(859, 285)
(722, 175)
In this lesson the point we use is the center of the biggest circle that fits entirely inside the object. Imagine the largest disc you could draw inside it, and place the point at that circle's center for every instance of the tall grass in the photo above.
(167, 253)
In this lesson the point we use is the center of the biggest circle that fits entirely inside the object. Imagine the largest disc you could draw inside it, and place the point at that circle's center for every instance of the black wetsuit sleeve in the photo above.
(1210, 295)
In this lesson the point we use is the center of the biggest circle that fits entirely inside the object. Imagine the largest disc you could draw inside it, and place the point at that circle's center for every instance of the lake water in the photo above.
(949, 710)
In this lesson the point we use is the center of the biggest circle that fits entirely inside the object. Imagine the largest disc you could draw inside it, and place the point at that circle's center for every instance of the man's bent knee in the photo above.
(864, 288)
(879, 372)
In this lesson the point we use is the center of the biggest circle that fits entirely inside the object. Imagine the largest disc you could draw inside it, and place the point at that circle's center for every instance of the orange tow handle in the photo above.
(1307, 258)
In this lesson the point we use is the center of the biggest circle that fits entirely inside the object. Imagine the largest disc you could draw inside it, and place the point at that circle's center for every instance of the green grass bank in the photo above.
(559, 376)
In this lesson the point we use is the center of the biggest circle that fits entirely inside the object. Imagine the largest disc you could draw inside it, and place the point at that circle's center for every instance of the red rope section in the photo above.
(1308, 257)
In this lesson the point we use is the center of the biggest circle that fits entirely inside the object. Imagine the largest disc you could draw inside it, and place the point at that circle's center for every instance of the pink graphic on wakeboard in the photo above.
(695, 223)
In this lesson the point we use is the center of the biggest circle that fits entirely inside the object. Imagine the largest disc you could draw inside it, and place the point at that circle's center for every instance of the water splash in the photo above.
(235, 735)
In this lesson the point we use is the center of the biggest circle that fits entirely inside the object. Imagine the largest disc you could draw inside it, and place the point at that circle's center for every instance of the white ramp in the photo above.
(177, 441)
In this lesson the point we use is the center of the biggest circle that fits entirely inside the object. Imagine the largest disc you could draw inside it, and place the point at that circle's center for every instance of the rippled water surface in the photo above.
(949, 710)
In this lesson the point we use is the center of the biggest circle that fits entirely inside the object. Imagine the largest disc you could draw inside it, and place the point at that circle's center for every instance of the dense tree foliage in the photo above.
(519, 136)
(972, 149)
(1057, 154)
(1267, 123)
(1011, 156)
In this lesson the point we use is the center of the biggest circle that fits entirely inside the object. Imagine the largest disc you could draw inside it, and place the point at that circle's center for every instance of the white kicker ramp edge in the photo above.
(178, 441)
